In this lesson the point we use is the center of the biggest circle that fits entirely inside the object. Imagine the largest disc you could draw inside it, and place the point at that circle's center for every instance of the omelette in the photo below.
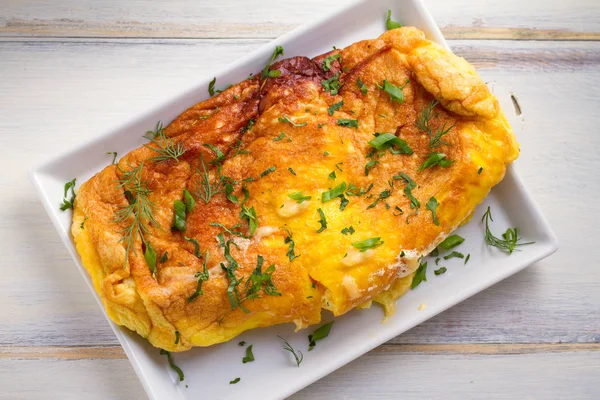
(314, 184)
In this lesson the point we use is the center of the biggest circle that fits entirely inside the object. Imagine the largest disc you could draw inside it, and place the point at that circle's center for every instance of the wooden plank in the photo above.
(509, 19)
(59, 93)
(116, 352)
(375, 376)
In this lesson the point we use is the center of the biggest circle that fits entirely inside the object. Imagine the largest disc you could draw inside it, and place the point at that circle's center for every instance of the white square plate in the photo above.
(209, 370)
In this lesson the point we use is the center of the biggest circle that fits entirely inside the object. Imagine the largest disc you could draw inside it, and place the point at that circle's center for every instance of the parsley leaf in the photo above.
(332, 85)
(236, 380)
(410, 185)
(363, 88)
(367, 244)
(249, 356)
(328, 60)
(267, 171)
(335, 107)
(480, 170)
(196, 246)
(299, 197)
(249, 214)
(432, 205)
(391, 24)
(66, 204)
(319, 334)
(454, 254)
(434, 159)
(369, 166)
(265, 72)
(440, 271)
(332, 175)
(292, 171)
(350, 123)
(202, 277)
(290, 253)
(322, 221)
(348, 231)
(333, 193)
(211, 87)
(420, 275)
(451, 242)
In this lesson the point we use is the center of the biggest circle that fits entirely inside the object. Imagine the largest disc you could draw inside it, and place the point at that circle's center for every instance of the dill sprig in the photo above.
(207, 188)
(288, 347)
(139, 212)
(510, 238)
(165, 148)
(423, 123)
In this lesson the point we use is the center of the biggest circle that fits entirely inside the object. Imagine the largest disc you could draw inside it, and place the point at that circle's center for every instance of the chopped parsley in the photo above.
(432, 205)
(249, 357)
(164, 258)
(68, 203)
(348, 231)
(176, 337)
(242, 343)
(332, 85)
(292, 171)
(196, 246)
(510, 238)
(211, 87)
(285, 119)
(420, 275)
(83, 222)
(267, 171)
(440, 271)
(114, 154)
(363, 88)
(434, 159)
(290, 253)
(382, 196)
(299, 197)
(248, 126)
(236, 380)
(454, 254)
(281, 136)
(322, 221)
(395, 92)
(467, 259)
(319, 334)
(389, 23)
(480, 170)
(367, 244)
(326, 64)
(410, 185)
(335, 107)
(332, 175)
(450, 242)
(333, 193)
(201, 277)
(369, 166)
(349, 123)
(249, 214)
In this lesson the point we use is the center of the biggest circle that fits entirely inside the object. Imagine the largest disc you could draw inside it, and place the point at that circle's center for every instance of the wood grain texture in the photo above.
(51, 103)
(377, 375)
(486, 19)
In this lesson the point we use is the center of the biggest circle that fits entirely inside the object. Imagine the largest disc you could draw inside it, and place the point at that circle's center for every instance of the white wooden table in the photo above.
(73, 69)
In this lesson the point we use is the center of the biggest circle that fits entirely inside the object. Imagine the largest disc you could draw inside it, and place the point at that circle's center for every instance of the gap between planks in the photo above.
(64, 29)
(116, 352)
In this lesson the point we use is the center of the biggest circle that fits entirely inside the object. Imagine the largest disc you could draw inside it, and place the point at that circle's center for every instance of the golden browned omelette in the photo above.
(317, 184)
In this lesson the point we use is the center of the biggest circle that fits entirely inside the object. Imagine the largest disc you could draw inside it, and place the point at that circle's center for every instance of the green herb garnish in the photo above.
(326, 64)
(249, 357)
(194, 242)
(290, 253)
(242, 343)
(386, 140)
(248, 126)
(424, 123)
(179, 215)
(467, 259)
(333, 193)
(349, 123)
(287, 120)
(150, 256)
(281, 136)
(68, 203)
(454, 254)
(83, 222)
(332, 85)
(166, 149)
(410, 185)
(299, 197)
(202, 277)
(267, 171)
(272, 74)
(292, 171)
(363, 88)
(211, 87)
(440, 271)
(176, 337)
(298, 356)
(450, 242)
(382, 196)
(432, 205)
(233, 382)
(322, 221)
(335, 107)
(319, 334)
(348, 231)
(480, 170)
(249, 214)
(395, 92)
(434, 159)
(369, 166)
(367, 244)
(259, 279)
(189, 201)
(207, 188)
(114, 154)
(420, 275)
(172, 364)
(332, 175)
(389, 23)
(510, 238)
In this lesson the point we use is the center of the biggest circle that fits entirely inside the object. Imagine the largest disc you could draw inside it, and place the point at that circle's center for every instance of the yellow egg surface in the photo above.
(316, 187)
